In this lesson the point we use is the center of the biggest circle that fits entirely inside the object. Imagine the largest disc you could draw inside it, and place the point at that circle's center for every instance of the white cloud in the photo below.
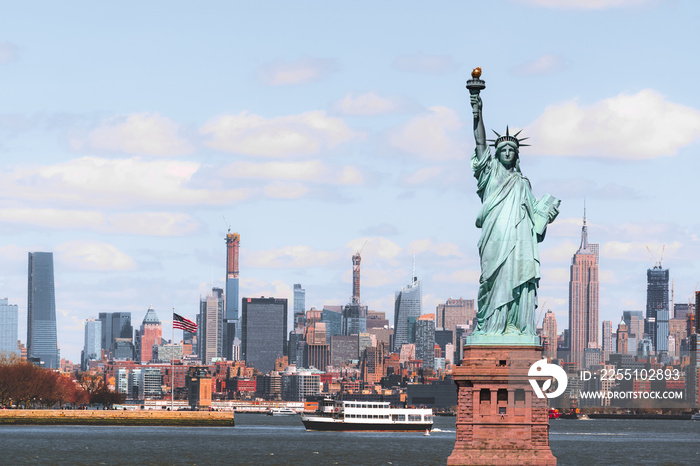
(542, 66)
(281, 190)
(422, 175)
(425, 63)
(139, 133)
(138, 223)
(153, 223)
(304, 134)
(286, 72)
(98, 181)
(585, 4)
(307, 170)
(8, 53)
(96, 256)
(53, 218)
(368, 104)
(639, 126)
(637, 251)
(431, 136)
(427, 245)
(289, 257)
(374, 248)
(459, 276)
(562, 252)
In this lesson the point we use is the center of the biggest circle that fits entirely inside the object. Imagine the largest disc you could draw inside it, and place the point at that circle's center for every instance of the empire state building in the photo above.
(583, 298)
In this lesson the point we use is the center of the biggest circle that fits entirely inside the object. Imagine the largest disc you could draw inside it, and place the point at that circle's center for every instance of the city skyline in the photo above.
(133, 144)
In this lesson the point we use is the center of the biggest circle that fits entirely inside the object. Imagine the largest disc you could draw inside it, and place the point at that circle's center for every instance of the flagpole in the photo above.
(172, 363)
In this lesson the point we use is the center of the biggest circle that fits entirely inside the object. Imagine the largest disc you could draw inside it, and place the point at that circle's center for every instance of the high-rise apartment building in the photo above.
(407, 305)
(8, 327)
(42, 342)
(231, 328)
(211, 326)
(264, 325)
(92, 348)
(549, 332)
(453, 313)
(150, 333)
(583, 298)
(657, 313)
(425, 340)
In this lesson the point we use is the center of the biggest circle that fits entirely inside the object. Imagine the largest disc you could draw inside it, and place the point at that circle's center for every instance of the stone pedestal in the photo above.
(500, 420)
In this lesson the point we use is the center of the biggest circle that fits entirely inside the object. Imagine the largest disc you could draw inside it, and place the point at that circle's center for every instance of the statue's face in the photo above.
(507, 153)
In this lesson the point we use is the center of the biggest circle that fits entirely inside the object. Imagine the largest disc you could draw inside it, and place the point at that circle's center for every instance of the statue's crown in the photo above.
(508, 138)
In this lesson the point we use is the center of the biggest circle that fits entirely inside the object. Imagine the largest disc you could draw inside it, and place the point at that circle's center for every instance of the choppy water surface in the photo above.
(259, 439)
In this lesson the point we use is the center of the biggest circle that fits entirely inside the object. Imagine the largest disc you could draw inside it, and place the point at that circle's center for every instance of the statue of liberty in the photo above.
(512, 222)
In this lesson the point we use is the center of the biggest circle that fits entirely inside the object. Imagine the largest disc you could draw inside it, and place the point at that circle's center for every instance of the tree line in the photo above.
(24, 385)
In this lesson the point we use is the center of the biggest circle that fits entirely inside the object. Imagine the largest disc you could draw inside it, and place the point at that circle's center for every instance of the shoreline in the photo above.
(116, 418)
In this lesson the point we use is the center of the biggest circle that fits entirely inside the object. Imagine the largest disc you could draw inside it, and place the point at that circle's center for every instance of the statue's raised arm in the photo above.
(475, 85)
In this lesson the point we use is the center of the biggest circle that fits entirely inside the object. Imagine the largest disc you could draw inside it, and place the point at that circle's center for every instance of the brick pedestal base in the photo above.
(500, 420)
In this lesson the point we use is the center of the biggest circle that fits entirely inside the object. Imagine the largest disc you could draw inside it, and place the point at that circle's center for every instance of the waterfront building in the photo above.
(407, 306)
(425, 340)
(92, 349)
(583, 298)
(657, 312)
(8, 327)
(299, 385)
(454, 313)
(42, 343)
(549, 334)
(149, 334)
(264, 325)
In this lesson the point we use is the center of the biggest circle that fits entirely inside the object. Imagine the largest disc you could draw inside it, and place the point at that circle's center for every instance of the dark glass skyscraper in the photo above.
(41, 310)
(264, 324)
(657, 307)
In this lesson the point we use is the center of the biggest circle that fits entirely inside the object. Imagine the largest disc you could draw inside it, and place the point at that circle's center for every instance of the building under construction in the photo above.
(232, 331)
(354, 313)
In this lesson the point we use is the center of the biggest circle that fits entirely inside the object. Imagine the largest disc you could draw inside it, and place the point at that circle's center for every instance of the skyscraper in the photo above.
(583, 298)
(264, 325)
(8, 327)
(425, 340)
(454, 312)
(607, 340)
(150, 334)
(114, 325)
(549, 332)
(622, 338)
(407, 305)
(93, 341)
(211, 326)
(657, 307)
(231, 329)
(354, 313)
(41, 310)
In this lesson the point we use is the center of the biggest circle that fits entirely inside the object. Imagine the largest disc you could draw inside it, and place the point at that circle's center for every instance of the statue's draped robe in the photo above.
(510, 265)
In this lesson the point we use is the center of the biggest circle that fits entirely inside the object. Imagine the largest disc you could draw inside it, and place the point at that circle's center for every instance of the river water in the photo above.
(259, 439)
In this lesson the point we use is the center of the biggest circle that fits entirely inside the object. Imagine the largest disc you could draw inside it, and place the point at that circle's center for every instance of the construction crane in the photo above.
(657, 265)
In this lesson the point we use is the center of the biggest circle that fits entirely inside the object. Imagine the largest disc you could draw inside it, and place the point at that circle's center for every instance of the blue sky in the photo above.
(131, 134)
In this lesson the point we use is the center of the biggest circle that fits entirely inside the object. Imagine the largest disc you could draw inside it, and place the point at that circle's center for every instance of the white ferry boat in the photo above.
(376, 416)
(281, 412)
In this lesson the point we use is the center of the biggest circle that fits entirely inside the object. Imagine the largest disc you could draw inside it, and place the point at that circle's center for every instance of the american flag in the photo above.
(184, 324)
